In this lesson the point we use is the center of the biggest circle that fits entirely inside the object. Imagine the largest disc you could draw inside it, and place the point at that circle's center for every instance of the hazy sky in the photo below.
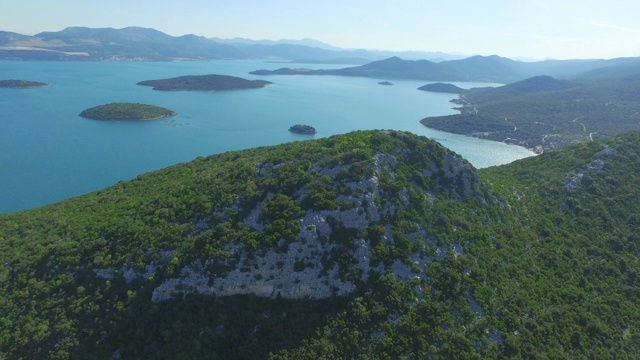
(540, 29)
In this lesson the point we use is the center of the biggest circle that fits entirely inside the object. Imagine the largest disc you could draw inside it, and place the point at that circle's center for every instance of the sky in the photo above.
(536, 29)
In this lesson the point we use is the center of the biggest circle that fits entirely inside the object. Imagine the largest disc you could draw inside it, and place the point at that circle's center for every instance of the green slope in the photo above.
(427, 257)
(546, 113)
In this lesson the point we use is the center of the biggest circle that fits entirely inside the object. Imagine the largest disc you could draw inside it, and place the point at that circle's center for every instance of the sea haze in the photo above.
(49, 153)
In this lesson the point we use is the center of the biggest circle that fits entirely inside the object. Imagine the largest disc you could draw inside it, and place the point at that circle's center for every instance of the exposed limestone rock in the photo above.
(108, 274)
(595, 166)
(252, 219)
(466, 179)
(130, 274)
(313, 266)
(473, 304)
(272, 274)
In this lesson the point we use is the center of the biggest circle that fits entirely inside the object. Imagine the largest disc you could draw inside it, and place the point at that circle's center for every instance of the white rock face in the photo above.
(595, 166)
(294, 274)
(309, 268)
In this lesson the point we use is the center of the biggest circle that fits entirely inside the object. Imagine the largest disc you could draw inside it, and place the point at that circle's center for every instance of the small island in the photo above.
(21, 84)
(204, 83)
(442, 88)
(385, 83)
(303, 129)
(127, 111)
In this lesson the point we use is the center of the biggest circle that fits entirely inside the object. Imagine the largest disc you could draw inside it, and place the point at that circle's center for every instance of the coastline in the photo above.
(212, 124)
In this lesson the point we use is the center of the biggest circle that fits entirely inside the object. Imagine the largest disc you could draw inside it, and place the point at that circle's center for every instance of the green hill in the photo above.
(374, 244)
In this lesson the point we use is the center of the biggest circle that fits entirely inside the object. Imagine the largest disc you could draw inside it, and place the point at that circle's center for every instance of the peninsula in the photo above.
(303, 129)
(21, 84)
(204, 82)
(543, 113)
(127, 111)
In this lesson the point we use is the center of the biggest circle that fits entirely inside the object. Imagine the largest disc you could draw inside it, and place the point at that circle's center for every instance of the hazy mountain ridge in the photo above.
(476, 69)
(7, 37)
(302, 42)
(145, 44)
(432, 258)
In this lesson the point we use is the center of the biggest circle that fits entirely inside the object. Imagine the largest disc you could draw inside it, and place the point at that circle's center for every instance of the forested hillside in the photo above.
(372, 244)
(544, 113)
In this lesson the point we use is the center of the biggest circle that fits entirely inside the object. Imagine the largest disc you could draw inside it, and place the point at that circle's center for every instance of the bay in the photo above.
(49, 153)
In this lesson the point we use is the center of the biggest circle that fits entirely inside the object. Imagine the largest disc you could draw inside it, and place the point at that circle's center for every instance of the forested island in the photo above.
(127, 111)
(385, 83)
(442, 88)
(205, 83)
(21, 84)
(302, 129)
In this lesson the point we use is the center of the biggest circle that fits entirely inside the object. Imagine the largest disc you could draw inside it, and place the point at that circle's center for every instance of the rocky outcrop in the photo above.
(318, 264)
(594, 166)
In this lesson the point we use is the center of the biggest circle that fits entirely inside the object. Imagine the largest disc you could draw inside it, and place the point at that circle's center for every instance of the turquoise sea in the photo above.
(49, 153)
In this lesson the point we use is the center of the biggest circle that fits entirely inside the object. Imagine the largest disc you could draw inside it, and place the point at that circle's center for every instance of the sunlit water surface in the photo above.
(49, 153)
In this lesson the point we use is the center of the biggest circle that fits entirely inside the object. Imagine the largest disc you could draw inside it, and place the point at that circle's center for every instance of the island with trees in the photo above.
(21, 84)
(127, 111)
(303, 129)
(385, 83)
(442, 88)
(204, 83)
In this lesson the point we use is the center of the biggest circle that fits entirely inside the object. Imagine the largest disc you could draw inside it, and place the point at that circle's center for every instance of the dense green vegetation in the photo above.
(21, 84)
(536, 259)
(127, 111)
(556, 274)
(204, 82)
(546, 113)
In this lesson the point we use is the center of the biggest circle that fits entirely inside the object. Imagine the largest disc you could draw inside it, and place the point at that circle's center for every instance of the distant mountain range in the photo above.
(144, 44)
(302, 42)
(132, 43)
(476, 68)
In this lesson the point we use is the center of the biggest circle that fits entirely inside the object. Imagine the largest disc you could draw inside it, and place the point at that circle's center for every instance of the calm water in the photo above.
(49, 153)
